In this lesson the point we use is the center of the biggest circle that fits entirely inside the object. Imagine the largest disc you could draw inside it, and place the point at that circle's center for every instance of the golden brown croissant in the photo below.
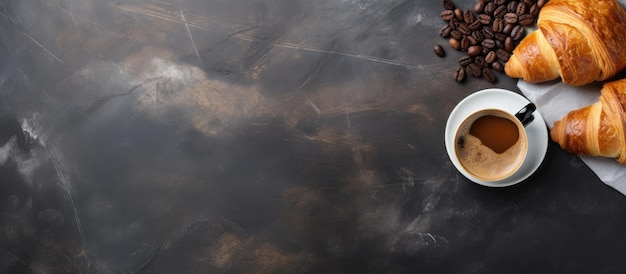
(597, 129)
(579, 40)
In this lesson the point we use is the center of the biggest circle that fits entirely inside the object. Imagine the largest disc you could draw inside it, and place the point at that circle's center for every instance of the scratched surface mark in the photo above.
(271, 136)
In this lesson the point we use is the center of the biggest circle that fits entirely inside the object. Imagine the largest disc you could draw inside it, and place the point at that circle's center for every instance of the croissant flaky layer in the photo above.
(597, 129)
(580, 41)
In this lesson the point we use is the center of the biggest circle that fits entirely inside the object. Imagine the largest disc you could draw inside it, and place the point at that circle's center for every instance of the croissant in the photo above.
(597, 129)
(580, 41)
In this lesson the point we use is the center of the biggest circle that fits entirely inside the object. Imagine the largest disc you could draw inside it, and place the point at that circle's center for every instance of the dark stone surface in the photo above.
(269, 136)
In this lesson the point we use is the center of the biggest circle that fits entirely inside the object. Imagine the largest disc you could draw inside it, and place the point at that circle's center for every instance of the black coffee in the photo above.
(489, 145)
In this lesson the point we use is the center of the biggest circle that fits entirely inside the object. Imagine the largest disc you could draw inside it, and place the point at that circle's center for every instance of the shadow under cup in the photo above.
(482, 161)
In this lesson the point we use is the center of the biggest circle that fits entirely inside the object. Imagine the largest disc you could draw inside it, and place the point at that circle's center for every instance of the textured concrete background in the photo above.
(267, 136)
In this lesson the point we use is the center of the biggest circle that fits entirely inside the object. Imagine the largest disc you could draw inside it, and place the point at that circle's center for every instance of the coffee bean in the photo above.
(473, 41)
(489, 76)
(497, 66)
(478, 35)
(534, 10)
(465, 43)
(498, 24)
(510, 18)
(540, 3)
(465, 60)
(509, 44)
(507, 28)
(476, 25)
(490, 57)
(526, 19)
(502, 55)
(500, 11)
(473, 70)
(463, 28)
(480, 62)
(484, 19)
(459, 74)
(500, 36)
(468, 16)
(499, 44)
(456, 34)
(454, 24)
(458, 14)
(488, 43)
(474, 50)
(521, 9)
(444, 32)
(488, 33)
(447, 15)
(479, 7)
(511, 6)
(485, 51)
(454, 43)
(517, 32)
(489, 8)
(439, 50)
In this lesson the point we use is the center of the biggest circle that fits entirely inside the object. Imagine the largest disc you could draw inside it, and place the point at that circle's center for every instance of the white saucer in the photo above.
(507, 100)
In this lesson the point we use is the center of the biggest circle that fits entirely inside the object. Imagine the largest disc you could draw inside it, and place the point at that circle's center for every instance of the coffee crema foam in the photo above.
(485, 163)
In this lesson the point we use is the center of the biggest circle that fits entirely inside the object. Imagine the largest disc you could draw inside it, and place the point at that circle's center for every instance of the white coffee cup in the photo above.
(491, 144)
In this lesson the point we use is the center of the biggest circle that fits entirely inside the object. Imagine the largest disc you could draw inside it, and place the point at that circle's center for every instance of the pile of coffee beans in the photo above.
(487, 34)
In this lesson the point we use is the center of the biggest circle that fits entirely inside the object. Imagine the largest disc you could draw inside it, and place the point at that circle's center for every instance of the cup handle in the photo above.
(525, 115)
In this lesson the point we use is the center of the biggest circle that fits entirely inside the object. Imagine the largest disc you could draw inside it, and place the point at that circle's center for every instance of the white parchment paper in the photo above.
(554, 100)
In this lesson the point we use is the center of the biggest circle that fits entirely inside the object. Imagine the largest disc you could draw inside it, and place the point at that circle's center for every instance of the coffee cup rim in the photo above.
(536, 132)
(511, 117)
